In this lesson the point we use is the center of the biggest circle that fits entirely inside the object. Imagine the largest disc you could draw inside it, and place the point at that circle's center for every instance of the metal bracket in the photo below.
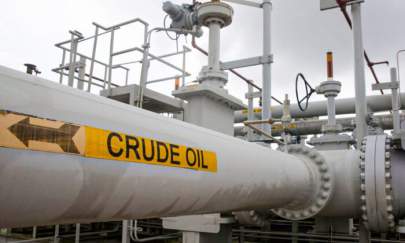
(383, 86)
(247, 62)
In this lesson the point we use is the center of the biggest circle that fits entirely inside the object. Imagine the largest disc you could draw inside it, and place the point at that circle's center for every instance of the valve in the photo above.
(303, 103)
(184, 18)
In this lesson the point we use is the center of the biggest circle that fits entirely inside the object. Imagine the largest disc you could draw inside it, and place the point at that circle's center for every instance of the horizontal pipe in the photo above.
(310, 127)
(375, 103)
(41, 188)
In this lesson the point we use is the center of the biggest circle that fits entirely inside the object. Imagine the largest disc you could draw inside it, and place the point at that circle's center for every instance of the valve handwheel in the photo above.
(303, 103)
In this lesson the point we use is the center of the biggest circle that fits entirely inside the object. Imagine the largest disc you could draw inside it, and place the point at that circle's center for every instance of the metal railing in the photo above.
(73, 63)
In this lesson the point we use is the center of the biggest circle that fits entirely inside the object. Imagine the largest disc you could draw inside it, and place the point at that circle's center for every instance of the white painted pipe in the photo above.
(266, 69)
(214, 45)
(331, 111)
(310, 127)
(359, 74)
(375, 103)
(38, 188)
(395, 103)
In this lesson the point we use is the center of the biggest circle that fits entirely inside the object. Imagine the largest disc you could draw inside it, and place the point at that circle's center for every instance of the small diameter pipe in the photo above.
(376, 103)
(251, 115)
(214, 45)
(110, 60)
(395, 103)
(360, 79)
(331, 98)
(331, 111)
(93, 57)
(77, 233)
(266, 92)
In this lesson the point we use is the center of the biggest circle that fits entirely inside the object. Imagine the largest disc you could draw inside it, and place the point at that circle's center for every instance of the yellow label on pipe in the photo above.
(27, 132)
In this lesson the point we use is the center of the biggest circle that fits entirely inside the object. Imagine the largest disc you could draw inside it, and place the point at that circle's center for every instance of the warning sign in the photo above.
(27, 132)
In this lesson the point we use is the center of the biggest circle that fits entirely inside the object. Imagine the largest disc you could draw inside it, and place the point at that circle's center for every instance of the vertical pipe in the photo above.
(294, 230)
(125, 235)
(126, 77)
(72, 59)
(105, 75)
(214, 45)
(359, 75)
(93, 57)
(110, 62)
(56, 236)
(145, 65)
(77, 233)
(399, 70)
(183, 80)
(266, 91)
(144, 75)
(331, 111)
(34, 232)
(82, 73)
(61, 65)
(250, 111)
(395, 103)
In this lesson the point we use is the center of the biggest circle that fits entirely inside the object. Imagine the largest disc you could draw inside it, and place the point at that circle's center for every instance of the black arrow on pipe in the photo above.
(62, 136)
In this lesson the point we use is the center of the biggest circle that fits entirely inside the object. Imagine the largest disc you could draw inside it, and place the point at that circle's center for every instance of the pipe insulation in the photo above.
(40, 188)
(375, 103)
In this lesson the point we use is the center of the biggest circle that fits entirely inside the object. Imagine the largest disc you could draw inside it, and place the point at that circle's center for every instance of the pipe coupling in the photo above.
(376, 184)
(313, 201)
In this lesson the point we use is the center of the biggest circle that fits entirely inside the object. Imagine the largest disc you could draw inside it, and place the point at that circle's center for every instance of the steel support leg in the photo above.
(359, 75)
(266, 92)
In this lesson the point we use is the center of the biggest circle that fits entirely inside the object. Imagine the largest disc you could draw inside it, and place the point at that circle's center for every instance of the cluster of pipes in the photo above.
(332, 179)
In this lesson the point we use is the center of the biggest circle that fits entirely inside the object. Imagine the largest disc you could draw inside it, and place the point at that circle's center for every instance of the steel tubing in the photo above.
(310, 127)
(375, 103)
(40, 188)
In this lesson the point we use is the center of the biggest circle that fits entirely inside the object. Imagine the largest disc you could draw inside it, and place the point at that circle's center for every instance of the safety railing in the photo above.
(74, 64)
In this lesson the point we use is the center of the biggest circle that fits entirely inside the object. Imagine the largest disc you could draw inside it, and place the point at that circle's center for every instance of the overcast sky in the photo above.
(301, 35)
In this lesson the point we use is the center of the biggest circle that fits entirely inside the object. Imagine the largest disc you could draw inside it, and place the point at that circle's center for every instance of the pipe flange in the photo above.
(322, 184)
(377, 209)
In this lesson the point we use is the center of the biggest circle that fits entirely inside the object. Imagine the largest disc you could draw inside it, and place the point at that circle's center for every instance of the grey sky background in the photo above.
(301, 35)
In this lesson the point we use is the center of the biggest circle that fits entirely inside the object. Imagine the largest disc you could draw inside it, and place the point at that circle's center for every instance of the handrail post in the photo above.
(93, 57)
(110, 62)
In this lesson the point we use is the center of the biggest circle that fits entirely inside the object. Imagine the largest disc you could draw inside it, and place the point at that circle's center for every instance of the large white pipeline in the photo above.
(39, 188)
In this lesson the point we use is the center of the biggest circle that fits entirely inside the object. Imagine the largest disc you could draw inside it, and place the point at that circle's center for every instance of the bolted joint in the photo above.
(322, 191)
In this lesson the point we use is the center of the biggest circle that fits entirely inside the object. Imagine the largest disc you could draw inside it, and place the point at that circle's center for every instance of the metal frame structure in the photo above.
(106, 82)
